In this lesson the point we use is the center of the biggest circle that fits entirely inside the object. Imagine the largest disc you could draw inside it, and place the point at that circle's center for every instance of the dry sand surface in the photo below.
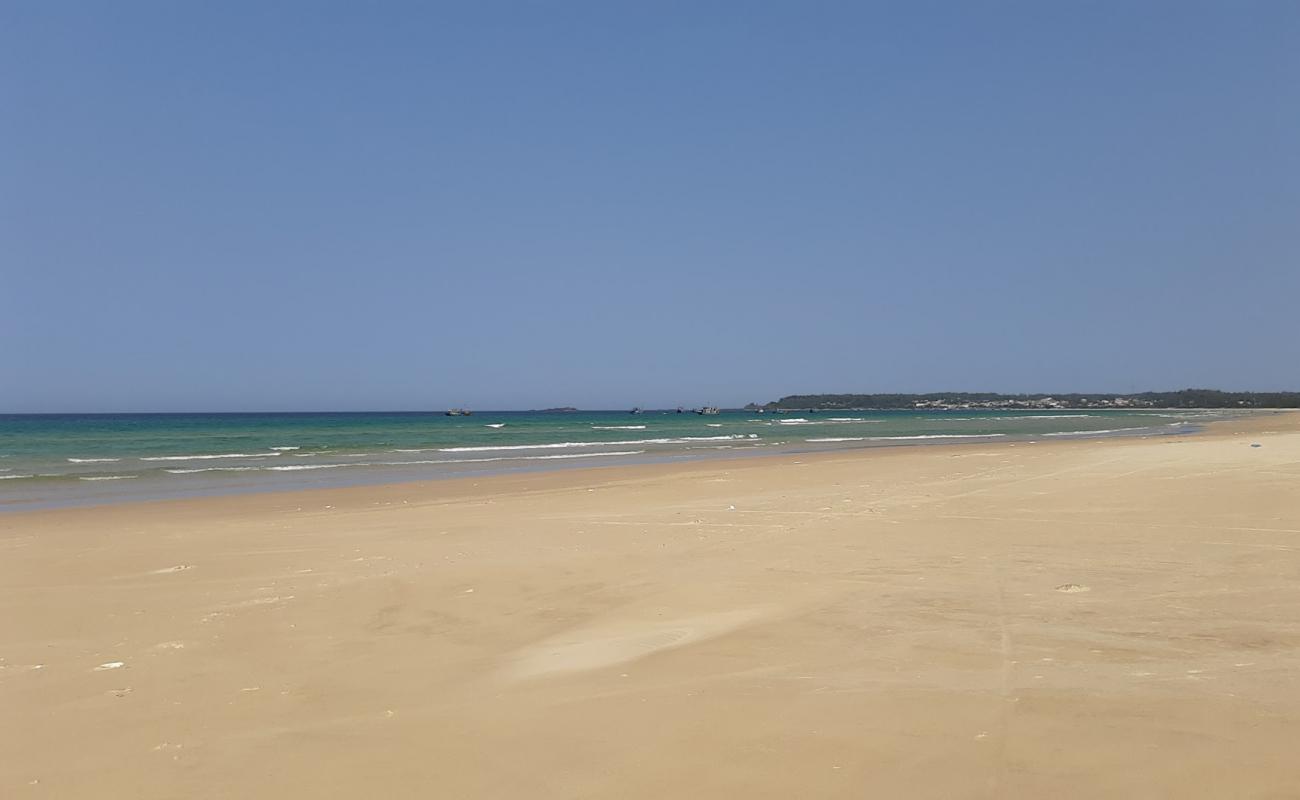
(1068, 619)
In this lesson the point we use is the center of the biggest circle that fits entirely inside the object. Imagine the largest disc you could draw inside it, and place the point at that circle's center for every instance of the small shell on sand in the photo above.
(1071, 588)
(110, 665)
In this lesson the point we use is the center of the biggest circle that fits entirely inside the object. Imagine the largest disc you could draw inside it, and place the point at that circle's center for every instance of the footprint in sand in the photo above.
(594, 648)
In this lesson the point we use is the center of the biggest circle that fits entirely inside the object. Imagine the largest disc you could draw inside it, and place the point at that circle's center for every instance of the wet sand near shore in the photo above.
(1110, 618)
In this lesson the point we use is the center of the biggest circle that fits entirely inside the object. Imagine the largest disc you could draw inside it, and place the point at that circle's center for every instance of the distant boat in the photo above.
(707, 411)
(459, 412)
(636, 411)
(681, 410)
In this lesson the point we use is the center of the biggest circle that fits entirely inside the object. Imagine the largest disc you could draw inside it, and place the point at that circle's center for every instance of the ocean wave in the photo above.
(902, 438)
(14, 477)
(1041, 416)
(826, 421)
(1109, 430)
(540, 458)
(618, 427)
(838, 439)
(301, 467)
(107, 477)
(719, 438)
(211, 469)
(917, 436)
(568, 445)
(284, 448)
(205, 457)
(92, 460)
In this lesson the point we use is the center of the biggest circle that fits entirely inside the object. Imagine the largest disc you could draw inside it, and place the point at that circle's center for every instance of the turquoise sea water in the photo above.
(53, 460)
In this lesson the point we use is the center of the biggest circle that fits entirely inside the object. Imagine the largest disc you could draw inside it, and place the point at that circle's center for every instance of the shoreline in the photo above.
(1078, 618)
(158, 492)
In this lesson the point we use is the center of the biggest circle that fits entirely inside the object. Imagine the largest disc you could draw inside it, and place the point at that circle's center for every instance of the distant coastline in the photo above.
(941, 401)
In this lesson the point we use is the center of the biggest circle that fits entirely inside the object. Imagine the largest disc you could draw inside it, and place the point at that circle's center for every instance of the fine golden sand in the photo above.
(1068, 619)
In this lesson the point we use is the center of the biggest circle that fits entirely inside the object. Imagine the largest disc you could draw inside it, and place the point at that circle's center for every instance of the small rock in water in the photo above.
(1071, 588)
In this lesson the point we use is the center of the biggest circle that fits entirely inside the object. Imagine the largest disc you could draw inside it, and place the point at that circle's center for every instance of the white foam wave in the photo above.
(108, 477)
(284, 448)
(569, 445)
(92, 460)
(14, 477)
(541, 458)
(936, 436)
(1085, 433)
(1041, 416)
(495, 425)
(300, 467)
(211, 469)
(618, 427)
(838, 439)
(719, 438)
(206, 457)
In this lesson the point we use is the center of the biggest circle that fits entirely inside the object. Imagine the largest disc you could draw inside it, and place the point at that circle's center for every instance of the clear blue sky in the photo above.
(276, 205)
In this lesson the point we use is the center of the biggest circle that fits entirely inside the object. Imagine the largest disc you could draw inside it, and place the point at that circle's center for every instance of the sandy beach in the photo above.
(1094, 618)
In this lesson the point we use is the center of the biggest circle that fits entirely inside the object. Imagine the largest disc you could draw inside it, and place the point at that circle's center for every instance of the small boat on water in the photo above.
(708, 411)
(636, 411)
(459, 412)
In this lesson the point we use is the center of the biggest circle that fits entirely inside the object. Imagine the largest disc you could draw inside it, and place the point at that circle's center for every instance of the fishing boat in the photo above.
(708, 411)
(459, 412)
